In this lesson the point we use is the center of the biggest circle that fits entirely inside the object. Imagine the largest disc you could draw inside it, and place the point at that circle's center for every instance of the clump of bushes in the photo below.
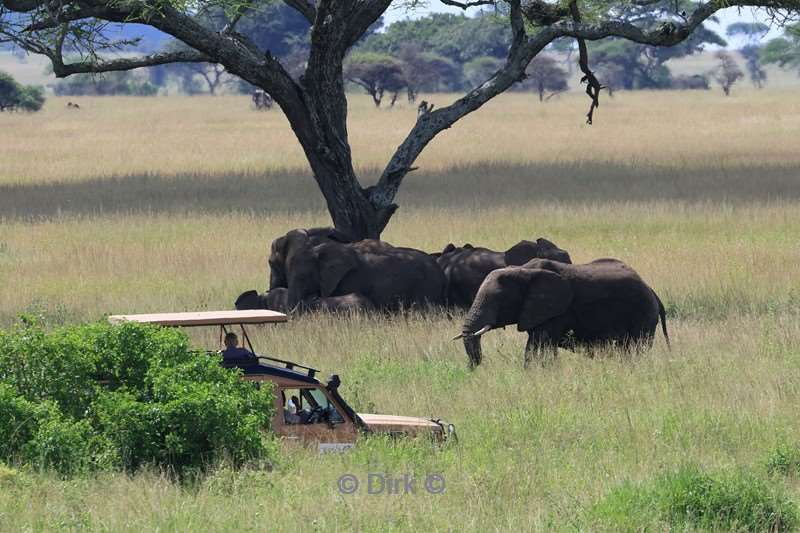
(17, 97)
(100, 396)
(690, 498)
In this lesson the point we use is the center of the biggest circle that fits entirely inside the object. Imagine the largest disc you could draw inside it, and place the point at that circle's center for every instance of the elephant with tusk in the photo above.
(602, 302)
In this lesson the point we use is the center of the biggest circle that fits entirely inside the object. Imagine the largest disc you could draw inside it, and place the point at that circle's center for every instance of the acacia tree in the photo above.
(315, 104)
(727, 72)
(544, 75)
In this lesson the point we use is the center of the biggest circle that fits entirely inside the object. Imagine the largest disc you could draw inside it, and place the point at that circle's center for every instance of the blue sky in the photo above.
(726, 16)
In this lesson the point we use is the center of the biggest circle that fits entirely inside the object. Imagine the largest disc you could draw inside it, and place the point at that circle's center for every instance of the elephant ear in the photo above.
(548, 296)
(521, 253)
(335, 261)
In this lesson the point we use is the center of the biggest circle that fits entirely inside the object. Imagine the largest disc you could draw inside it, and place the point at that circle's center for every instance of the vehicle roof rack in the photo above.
(289, 365)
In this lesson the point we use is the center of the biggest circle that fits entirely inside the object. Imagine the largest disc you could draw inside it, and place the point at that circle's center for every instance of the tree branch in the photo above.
(593, 87)
(62, 70)
(468, 4)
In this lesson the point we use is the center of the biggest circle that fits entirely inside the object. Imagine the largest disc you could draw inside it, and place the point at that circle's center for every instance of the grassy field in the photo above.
(154, 204)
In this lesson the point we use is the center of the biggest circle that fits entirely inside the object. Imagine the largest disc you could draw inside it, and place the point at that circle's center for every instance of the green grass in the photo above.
(690, 498)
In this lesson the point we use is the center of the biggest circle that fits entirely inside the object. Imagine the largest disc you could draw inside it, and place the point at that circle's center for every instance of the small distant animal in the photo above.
(262, 100)
(424, 108)
(70, 105)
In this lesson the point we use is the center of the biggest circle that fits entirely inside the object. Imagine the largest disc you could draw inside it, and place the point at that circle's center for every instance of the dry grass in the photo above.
(118, 137)
(708, 214)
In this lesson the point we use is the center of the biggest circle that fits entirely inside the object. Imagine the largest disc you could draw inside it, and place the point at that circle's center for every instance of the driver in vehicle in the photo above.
(233, 352)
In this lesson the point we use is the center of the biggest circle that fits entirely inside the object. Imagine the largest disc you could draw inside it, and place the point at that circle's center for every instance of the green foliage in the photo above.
(784, 51)
(16, 97)
(456, 37)
(690, 498)
(96, 396)
(784, 460)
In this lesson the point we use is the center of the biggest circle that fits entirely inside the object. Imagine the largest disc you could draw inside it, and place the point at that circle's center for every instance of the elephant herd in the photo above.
(532, 285)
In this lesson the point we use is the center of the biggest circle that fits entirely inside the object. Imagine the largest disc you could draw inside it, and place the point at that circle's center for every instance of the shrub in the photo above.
(16, 97)
(690, 498)
(122, 396)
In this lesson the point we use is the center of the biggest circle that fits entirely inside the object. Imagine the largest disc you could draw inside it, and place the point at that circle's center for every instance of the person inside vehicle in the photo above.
(233, 352)
(290, 415)
(301, 413)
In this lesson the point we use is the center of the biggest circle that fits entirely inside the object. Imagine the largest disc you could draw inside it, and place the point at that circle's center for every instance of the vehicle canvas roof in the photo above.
(204, 318)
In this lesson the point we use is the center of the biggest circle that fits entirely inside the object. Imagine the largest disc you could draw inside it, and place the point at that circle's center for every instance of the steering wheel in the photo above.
(316, 415)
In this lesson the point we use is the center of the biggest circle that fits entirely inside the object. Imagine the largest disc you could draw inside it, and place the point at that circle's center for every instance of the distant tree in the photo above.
(16, 97)
(568, 48)
(544, 74)
(752, 31)
(456, 37)
(752, 57)
(428, 72)
(478, 70)
(727, 73)
(612, 76)
(377, 74)
(784, 51)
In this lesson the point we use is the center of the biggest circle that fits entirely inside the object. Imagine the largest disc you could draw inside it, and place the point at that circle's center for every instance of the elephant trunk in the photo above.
(472, 345)
(480, 319)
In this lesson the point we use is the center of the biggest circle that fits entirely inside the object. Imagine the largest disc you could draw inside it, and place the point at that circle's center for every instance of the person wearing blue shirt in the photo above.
(233, 352)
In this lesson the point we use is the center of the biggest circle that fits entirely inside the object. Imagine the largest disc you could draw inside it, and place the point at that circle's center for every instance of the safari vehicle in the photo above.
(306, 410)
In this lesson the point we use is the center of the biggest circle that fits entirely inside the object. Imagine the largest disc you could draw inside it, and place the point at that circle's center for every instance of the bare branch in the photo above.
(468, 4)
(62, 70)
(305, 7)
(593, 86)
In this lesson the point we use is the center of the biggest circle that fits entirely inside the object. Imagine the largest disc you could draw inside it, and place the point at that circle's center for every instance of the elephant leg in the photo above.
(538, 345)
(529, 348)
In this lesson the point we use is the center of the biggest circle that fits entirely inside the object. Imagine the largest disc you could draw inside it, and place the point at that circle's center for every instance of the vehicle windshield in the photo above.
(309, 406)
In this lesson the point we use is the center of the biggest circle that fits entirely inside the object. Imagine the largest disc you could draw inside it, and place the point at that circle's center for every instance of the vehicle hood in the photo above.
(393, 423)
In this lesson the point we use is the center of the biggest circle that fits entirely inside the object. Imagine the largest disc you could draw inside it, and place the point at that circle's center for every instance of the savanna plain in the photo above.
(137, 205)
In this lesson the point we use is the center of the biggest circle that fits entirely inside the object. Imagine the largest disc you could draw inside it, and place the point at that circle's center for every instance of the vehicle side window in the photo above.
(308, 406)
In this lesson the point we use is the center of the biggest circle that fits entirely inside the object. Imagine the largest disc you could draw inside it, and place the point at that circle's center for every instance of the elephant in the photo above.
(466, 267)
(277, 300)
(602, 302)
(278, 252)
(390, 277)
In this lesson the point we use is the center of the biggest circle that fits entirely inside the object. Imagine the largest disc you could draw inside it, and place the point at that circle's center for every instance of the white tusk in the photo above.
(481, 331)
(460, 335)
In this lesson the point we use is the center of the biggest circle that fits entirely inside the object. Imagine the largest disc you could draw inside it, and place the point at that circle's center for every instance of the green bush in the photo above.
(784, 460)
(16, 97)
(735, 500)
(97, 395)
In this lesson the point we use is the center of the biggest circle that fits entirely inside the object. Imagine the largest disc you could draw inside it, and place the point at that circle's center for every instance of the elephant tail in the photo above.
(662, 313)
